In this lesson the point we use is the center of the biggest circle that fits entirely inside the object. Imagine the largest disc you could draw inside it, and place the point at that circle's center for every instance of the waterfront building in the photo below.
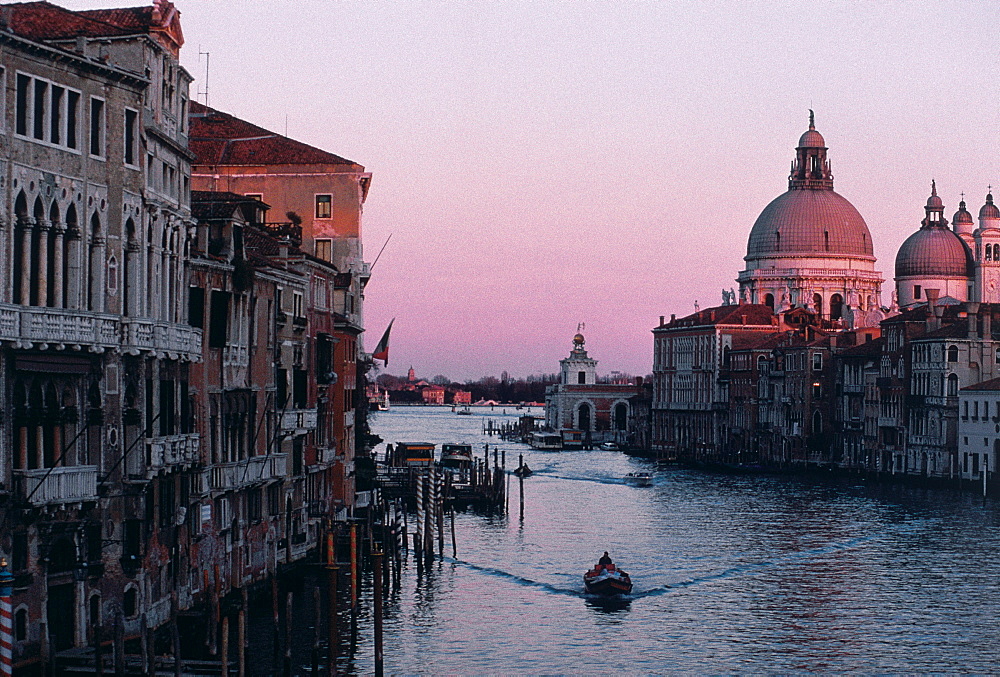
(978, 438)
(690, 416)
(433, 394)
(598, 411)
(463, 397)
(179, 372)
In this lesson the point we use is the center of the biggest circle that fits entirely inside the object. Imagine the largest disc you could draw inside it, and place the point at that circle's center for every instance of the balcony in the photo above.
(299, 421)
(164, 452)
(257, 469)
(854, 388)
(27, 325)
(48, 486)
(888, 422)
(164, 338)
(235, 356)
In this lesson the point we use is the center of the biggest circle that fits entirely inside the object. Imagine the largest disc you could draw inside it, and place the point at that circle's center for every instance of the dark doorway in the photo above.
(584, 416)
(621, 416)
(62, 616)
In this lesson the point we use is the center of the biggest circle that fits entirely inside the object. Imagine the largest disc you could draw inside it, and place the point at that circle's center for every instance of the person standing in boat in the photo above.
(605, 562)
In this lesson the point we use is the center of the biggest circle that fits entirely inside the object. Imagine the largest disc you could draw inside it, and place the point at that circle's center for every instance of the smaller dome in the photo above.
(989, 210)
(962, 216)
(812, 139)
(578, 339)
(933, 252)
(934, 202)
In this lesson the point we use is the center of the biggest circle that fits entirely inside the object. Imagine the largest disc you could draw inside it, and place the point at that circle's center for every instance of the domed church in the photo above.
(810, 248)
(961, 263)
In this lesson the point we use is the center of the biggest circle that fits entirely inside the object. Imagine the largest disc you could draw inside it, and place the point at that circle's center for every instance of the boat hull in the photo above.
(605, 585)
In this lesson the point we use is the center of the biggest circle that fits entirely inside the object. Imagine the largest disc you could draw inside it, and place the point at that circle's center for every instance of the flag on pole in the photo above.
(382, 349)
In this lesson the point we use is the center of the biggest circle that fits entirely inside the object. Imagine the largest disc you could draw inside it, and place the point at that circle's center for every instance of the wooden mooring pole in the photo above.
(377, 611)
(333, 624)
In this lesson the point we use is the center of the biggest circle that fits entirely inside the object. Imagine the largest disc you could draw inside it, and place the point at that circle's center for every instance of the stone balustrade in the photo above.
(144, 335)
(173, 450)
(298, 420)
(235, 356)
(44, 486)
(30, 325)
(225, 476)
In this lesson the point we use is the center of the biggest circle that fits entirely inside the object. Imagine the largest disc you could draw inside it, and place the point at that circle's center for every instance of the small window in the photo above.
(96, 127)
(916, 291)
(130, 603)
(323, 206)
(817, 361)
(22, 104)
(196, 307)
(131, 137)
(581, 378)
(21, 625)
(953, 353)
(324, 249)
(297, 304)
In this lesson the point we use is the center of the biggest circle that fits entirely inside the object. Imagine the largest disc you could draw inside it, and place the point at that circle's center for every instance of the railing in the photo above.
(173, 450)
(235, 356)
(256, 469)
(73, 484)
(854, 388)
(166, 337)
(298, 419)
(57, 326)
(285, 230)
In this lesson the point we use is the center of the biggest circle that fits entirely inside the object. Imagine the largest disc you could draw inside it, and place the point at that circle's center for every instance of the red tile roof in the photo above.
(992, 384)
(756, 315)
(218, 138)
(44, 21)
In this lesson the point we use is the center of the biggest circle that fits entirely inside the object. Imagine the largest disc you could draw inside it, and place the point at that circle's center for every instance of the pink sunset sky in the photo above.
(541, 164)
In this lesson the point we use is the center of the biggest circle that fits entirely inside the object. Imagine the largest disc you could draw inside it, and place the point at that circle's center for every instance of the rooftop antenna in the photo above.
(286, 124)
(208, 56)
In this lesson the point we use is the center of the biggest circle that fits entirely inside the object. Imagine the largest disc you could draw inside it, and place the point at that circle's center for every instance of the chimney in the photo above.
(973, 311)
(661, 320)
(932, 307)
(711, 315)
(743, 318)
(673, 317)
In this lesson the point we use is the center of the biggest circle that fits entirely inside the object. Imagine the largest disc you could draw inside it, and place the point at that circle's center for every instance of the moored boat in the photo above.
(457, 456)
(523, 470)
(607, 581)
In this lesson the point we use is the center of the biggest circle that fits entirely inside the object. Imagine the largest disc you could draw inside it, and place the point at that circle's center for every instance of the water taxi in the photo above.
(639, 479)
(415, 454)
(456, 456)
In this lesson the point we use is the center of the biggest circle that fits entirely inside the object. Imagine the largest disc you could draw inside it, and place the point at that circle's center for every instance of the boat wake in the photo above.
(521, 580)
(750, 567)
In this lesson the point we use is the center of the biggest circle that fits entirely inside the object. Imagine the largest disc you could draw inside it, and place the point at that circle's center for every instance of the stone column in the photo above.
(59, 232)
(27, 227)
(100, 264)
(73, 269)
(43, 263)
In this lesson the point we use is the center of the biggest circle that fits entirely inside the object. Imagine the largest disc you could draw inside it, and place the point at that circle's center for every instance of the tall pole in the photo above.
(6, 620)
(354, 568)
(377, 604)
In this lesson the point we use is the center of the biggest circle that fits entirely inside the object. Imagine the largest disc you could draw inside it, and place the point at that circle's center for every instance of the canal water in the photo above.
(732, 574)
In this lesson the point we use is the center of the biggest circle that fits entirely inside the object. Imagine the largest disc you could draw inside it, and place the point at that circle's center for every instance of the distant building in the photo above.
(433, 395)
(578, 402)
(462, 397)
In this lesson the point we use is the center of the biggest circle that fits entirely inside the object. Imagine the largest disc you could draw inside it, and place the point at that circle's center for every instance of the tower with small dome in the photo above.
(810, 247)
(961, 263)
(579, 368)
(936, 257)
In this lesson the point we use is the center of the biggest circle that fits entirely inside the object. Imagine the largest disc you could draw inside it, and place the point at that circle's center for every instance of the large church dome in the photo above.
(933, 252)
(804, 221)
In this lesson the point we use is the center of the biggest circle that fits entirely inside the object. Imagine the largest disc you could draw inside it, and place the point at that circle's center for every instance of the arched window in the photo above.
(95, 264)
(989, 253)
(130, 602)
(952, 385)
(769, 301)
(836, 306)
(70, 243)
(817, 423)
(953, 353)
(818, 302)
(21, 625)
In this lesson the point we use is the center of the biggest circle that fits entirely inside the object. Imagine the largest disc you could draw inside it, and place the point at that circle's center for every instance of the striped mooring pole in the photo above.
(6, 620)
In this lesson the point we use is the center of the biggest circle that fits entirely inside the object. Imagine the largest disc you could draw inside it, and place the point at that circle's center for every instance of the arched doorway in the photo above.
(769, 301)
(583, 416)
(818, 302)
(621, 416)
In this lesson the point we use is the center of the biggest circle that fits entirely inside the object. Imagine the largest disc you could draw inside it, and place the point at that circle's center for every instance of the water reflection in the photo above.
(734, 573)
